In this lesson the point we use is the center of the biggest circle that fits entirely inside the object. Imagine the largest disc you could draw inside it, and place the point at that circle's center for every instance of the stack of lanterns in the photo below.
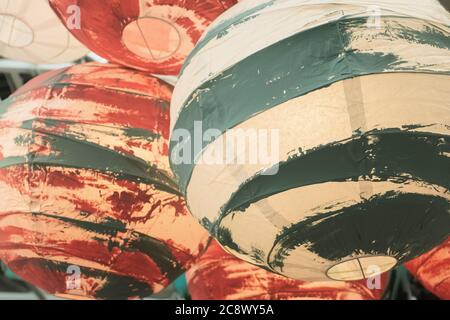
(92, 208)
(311, 160)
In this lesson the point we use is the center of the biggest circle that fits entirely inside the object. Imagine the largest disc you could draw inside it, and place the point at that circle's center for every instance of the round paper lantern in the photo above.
(220, 276)
(90, 209)
(30, 31)
(150, 35)
(324, 142)
(432, 269)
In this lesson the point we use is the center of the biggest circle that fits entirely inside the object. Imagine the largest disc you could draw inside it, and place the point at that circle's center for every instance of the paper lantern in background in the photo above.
(150, 35)
(348, 123)
(30, 31)
(86, 186)
(220, 276)
(432, 269)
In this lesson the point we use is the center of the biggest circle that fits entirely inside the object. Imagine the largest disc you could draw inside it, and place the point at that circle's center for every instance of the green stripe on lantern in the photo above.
(219, 30)
(136, 133)
(117, 231)
(70, 152)
(403, 222)
(404, 225)
(392, 155)
(293, 67)
(116, 285)
(402, 233)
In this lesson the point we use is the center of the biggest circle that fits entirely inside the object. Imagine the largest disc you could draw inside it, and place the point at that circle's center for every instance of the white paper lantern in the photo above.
(30, 31)
(357, 94)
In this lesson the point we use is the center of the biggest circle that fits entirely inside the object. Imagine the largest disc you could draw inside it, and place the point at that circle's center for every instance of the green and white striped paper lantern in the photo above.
(359, 94)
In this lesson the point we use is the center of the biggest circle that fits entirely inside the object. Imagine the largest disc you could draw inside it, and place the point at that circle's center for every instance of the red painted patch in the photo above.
(33, 271)
(432, 269)
(220, 276)
(69, 181)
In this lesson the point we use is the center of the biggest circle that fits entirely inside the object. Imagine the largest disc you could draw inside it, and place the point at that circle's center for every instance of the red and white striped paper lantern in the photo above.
(90, 208)
(150, 35)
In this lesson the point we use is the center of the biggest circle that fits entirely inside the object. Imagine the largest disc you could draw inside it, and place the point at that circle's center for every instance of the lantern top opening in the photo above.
(163, 41)
(361, 268)
(15, 32)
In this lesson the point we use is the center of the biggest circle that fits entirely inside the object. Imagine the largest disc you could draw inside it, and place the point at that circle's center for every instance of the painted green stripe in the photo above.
(108, 227)
(139, 133)
(156, 249)
(68, 152)
(117, 287)
(288, 69)
(336, 234)
(122, 288)
(389, 155)
(396, 224)
(222, 29)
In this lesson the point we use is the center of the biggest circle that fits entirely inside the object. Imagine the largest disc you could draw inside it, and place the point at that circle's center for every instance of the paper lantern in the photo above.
(90, 209)
(325, 142)
(150, 35)
(30, 31)
(220, 276)
(432, 269)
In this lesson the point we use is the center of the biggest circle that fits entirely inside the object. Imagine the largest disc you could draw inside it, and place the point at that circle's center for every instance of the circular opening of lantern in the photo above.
(151, 38)
(15, 32)
(361, 268)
